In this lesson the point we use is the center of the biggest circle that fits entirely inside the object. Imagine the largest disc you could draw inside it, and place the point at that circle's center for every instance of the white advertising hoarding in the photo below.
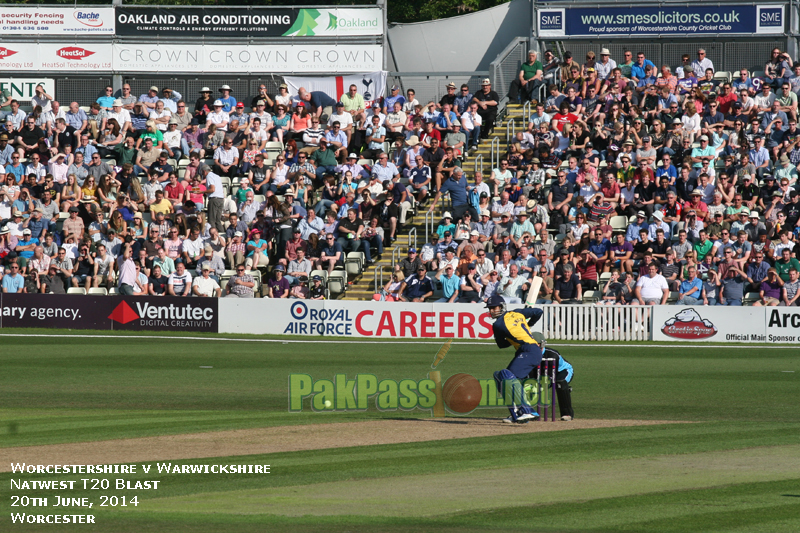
(247, 58)
(27, 57)
(89, 20)
(764, 325)
(369, 319)
(23, 89)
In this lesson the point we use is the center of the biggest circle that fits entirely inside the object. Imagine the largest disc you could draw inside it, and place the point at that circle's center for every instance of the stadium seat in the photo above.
(113, 291)
(590, 297)
(98, 291)
(354, 263)
(750, 298)
(76, 290)
(337, 281)
(619, 223)
(321, 273)
(673, 297)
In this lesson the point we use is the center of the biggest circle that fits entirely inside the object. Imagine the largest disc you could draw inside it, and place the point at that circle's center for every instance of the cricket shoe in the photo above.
(566, 418)
(527, 417)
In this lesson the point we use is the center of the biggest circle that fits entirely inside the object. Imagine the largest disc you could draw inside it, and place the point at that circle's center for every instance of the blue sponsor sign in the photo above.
(662, 20)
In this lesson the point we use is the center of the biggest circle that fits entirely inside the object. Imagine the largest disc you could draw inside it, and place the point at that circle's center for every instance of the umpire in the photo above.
(563, 377)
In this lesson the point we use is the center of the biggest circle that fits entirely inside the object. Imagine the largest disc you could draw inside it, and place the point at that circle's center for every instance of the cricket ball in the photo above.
(462, 393)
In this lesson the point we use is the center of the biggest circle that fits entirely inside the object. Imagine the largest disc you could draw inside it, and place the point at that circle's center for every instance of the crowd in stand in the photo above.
(155, 195)
(630, 184)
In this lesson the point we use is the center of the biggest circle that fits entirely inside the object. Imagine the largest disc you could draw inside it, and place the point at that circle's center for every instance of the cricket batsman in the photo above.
(564, 376)
(511, 328)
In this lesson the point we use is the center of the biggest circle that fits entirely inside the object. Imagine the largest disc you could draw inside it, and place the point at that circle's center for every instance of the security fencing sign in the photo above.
(665, 19)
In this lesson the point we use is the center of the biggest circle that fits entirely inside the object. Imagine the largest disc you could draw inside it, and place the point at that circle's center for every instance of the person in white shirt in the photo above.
(471, 125)
(216, 197)
(226, 159)
(344, 119)
(180, 281)
(121, 115)
(218, 116)
(652, 289)
(205, 285)
(172, 140)
(702, 62)
(41, 98)
(160, 115)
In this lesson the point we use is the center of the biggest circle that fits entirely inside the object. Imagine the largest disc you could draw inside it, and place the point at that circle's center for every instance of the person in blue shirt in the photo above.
(14, 282)
(451, 283)
(691, 289)
(16, 168)
(639, 68)
(228, 101)
(456, 185)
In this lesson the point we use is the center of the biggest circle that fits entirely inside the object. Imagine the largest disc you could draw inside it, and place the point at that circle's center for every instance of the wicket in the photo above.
(546, 376)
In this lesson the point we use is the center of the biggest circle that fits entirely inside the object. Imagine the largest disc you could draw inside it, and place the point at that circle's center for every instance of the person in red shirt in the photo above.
(697, 205)
(564, 117)
(587, 270)
(610, 190)
(174, 191)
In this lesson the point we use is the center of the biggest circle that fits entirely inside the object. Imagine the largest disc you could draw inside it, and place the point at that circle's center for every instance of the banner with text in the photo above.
(23, 89)
(89, 20)
(249, 22)
(666, 19)
(246, 58)
(356, 319)
(27, 57)
(763, 325)
(323, 58)
(109, 313)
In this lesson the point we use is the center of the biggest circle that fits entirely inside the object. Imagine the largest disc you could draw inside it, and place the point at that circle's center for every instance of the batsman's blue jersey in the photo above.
(512, 327)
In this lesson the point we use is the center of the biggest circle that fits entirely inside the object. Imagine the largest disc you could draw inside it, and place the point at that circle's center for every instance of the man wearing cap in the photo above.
(150, 98)
(416, 287)
(395, 96)
(345, 121)
(204, 285)
(218, 116)
(487, 100)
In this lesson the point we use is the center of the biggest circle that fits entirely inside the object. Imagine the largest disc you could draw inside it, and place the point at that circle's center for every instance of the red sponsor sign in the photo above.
(73, 52)
(694, 329)
(412, 324)
(6, 52)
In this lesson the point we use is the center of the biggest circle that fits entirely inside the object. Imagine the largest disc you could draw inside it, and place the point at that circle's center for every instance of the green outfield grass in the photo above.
(734, 468)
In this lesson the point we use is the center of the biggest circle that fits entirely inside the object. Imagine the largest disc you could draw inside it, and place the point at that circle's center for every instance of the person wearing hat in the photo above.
(228, 101)
(150, 98)
(203, 105)
(218, 116)
(170, 98)
(487, 100)
(204, 286)
(213, 261)
(344, 120)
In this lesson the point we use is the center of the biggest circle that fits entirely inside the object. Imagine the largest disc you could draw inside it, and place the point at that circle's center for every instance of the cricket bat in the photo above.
(533, 292)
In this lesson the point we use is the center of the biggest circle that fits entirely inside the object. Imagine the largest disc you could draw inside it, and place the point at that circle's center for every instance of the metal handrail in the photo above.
(428, 225)
(412, 231)
(511, 130)
(495, 152)
(395, 256)
(478, 158)
(376, 275)
(526, 112)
